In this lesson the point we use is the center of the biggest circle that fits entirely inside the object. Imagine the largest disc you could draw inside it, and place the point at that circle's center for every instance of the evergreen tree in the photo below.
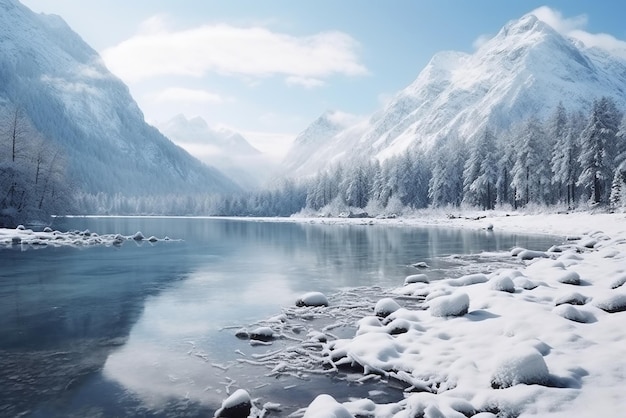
(446, 182)
(480, 172)
(598, 144)
(618, 188)
(530, 177)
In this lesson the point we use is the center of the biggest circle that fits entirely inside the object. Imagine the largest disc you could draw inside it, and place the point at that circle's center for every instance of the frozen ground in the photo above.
(545, 337)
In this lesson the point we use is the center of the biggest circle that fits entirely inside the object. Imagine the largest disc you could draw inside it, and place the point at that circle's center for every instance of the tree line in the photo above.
(569, 159)
(33, 183)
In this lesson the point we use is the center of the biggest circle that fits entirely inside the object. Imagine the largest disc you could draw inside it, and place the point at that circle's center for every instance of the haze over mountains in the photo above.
(224, 149)
(61, 84)
(525, 70)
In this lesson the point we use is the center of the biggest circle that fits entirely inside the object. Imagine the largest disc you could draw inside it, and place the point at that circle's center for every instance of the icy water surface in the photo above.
(149, 329)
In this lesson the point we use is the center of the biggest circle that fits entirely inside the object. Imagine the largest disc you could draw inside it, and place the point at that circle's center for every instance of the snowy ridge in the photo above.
(525, 70)
(63, 87)
(327, 139)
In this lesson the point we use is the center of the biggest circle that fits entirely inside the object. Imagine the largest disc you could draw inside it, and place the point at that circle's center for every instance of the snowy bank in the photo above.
(544, 337)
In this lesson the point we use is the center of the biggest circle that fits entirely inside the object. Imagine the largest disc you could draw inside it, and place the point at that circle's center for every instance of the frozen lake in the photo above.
(148, 329)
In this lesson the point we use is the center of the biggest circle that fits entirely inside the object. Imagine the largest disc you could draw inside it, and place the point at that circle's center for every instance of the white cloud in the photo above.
(243, 51)
(180, 94)
(481, 40)
(555, 19)
(306, 82)
(574, 27)
(344, 118)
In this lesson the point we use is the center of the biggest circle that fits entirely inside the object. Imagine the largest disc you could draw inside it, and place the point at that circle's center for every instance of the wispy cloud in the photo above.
(248, 52)
(572, 27)
(306, 82)
(180, 94)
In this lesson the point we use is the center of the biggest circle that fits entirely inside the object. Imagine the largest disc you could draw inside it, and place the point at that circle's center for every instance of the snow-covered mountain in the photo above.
(525, 70)
(222, 148)
(62, 85)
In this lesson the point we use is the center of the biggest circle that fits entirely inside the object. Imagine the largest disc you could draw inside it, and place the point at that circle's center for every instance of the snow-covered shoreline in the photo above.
(545, 338)
(560, 224)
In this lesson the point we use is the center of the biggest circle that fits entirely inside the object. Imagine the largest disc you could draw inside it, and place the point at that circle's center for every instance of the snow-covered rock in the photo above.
(262, 334)
(453, 305)
(574, 298)
(416, 278)
(573, 313)
(569, 277)
(325, 406)
(237, 405)
(386, 306)
(522, 365)
(503, 284)
(312, 299)
(612, 303)
(531, 254)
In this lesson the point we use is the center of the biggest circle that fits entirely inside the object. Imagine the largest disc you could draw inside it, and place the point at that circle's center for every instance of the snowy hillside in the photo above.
(526, 69)
(63, 87)
(224, 149)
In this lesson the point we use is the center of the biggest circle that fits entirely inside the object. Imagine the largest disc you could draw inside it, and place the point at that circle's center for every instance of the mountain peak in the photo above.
(523, 71)
(526, 26)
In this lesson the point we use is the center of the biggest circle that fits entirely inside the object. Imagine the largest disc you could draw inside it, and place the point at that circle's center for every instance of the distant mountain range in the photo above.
(62, 85)
(224, 149)
(525, 70)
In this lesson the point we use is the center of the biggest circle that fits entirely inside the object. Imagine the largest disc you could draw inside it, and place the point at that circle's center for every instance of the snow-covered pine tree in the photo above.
(480, 172)
(598, 145)
(446, 182)
(530, 177)
(617, 197)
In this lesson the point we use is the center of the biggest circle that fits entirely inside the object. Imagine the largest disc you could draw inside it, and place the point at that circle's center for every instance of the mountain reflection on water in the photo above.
(146, 329)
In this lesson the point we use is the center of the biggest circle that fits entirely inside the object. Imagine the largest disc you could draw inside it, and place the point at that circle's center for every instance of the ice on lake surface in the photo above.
(149, 328)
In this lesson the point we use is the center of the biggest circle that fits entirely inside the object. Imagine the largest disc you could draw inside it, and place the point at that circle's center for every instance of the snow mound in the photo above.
(325, 406)
(469, 280)
(618, 282)
(572, 299)
(531, 255)
(385, 307)
(574, 314)
(521, 366)
(312, 299)
(416, 278)
(452, 305)
(569, 277)
(503, 284)
(613, 303)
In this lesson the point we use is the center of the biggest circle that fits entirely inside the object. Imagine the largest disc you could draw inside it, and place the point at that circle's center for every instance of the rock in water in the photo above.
(312, 299)
(237, 405)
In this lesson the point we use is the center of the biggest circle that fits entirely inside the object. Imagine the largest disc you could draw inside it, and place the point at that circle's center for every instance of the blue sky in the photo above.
(269, 68)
